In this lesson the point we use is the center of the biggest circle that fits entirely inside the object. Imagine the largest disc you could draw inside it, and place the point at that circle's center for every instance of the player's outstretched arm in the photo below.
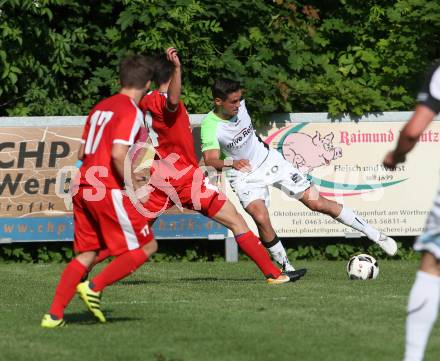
(211, 158)
(409, 136)
(175, 87)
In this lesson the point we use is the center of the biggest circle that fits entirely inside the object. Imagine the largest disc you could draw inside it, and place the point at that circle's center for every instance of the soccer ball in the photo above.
(362, 267)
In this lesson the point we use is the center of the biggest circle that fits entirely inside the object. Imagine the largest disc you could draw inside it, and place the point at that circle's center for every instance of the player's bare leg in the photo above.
(251, 245)
(423, 304)
(314, 201)
(230, 218)
(260, 214)
(103, 254)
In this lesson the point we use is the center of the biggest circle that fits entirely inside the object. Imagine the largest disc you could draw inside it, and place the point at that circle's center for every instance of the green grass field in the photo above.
(213, 311)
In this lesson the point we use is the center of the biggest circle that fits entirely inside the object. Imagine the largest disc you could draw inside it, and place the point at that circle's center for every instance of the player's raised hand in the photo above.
(390, 161)
(173, 57)
(242, 165)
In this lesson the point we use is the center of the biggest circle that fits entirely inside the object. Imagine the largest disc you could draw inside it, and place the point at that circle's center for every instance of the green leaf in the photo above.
(12, 77)
(332, 251)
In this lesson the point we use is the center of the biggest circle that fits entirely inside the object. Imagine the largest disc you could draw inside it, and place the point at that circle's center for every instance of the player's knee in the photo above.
(154, 246)
(86, 258)
(261, 218)
(238, 219)
(151, 247)
(238, 224)
(316, 205)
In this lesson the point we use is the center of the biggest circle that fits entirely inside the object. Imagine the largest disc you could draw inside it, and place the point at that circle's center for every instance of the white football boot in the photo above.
(387, 244)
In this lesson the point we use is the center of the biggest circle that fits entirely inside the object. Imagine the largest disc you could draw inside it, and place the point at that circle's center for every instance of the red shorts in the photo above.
(193, 191)
(106, 218)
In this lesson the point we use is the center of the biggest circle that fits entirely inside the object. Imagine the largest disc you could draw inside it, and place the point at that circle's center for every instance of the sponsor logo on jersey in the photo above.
(296, 178)
(241, 136)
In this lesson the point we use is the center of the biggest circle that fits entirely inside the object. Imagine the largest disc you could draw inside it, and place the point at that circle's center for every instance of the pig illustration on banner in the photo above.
(307, 153)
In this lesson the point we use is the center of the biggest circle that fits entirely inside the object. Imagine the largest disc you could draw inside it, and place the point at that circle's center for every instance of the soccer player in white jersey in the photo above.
(229, 140)
(424, 298)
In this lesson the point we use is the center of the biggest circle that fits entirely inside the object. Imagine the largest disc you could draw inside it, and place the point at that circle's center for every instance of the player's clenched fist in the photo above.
(391, 161)
(173, 57)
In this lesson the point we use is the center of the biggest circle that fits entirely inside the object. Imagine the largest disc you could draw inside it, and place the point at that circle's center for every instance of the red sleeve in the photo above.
(85, 130)
(127, 126)
(156, 104)
(143, 104)
(170, 117)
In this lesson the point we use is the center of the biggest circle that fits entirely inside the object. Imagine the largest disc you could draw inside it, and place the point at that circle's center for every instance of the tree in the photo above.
(59, 57)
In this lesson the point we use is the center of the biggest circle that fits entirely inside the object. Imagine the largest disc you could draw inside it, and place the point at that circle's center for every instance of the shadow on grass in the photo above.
(216, 279)
(139, 282)
(85, 318)
(186, 279)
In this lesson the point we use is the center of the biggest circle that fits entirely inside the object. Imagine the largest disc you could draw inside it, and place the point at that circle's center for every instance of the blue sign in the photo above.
(167, 226)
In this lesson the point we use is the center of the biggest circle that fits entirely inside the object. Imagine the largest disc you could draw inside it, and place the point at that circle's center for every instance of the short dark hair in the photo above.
(163, 69)
(135, 71)
(223, 87)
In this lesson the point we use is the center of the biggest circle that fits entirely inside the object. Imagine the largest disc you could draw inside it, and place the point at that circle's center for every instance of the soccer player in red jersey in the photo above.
(175, 175)
(104, 216)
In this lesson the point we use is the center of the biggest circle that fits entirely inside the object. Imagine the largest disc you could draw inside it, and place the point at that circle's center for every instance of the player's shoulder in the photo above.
(243, 114)
(209, 119)
(431, 85)
(117, 103)
(242, 111)
(243, 108)
(153, 100)
(151, 95)
(111, 105)
(429, 94)
(145, 101)
(435, 79)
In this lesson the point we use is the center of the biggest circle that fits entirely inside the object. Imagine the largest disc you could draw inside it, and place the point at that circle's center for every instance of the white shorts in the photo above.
(429, 241)
(275, 171)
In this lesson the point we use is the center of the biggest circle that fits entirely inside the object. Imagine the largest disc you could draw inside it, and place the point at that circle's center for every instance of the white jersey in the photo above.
(429, 96)
(235, 138)
(430, 92)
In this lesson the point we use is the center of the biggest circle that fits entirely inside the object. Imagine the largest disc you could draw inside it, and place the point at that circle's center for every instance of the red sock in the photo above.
(119, 268)
(251, 245)
(66, 288)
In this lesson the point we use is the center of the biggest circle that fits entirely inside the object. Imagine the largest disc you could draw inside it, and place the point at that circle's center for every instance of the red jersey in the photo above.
(116, 119)
(169, 132)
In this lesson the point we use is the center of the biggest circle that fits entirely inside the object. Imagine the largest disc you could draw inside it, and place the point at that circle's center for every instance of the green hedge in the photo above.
(39, 253)
(58, 57)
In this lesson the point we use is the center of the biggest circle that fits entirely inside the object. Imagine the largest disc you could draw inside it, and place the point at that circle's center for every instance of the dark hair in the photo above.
(163, 69)
(135, 71)
(223, 87)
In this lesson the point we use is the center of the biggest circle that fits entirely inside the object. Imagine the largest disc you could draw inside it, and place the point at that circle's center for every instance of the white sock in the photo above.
(349, 218)
(422, 312)
(280, 256)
